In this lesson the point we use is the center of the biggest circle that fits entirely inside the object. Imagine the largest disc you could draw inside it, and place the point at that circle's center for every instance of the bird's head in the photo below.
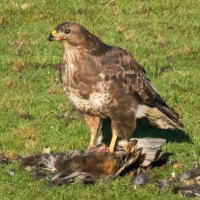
(72, 33)
(76, 36)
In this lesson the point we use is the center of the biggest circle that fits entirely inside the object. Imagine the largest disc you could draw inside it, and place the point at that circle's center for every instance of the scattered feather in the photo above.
(189, 191)
(4, 159)
(164, 183)
(190, 174)
(141, 179)
(11, 172)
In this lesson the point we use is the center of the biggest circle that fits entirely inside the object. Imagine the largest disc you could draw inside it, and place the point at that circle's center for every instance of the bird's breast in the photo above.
(95, 103)
(88, 92)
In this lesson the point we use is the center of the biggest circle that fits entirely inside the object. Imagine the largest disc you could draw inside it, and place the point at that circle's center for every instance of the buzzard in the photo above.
(104, 81)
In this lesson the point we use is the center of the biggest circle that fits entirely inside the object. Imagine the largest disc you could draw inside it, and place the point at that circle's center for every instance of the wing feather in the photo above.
(121, 68)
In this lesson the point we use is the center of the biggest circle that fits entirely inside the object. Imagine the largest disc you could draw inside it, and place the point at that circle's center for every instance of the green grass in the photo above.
(157, 33)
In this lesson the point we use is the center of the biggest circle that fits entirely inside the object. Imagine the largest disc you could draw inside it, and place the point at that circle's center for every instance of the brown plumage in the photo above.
(105, 81)
(97, 162)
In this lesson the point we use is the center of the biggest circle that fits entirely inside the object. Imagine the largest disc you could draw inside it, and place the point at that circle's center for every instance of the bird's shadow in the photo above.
(145, 129)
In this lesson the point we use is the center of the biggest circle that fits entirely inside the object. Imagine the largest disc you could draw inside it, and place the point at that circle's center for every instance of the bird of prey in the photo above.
(98, 162)
(104, 81)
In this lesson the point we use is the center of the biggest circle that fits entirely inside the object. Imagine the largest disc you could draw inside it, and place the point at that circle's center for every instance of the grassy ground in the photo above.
(157, 33)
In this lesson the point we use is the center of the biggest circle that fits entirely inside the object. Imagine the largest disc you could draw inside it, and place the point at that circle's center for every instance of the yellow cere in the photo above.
(54, 32)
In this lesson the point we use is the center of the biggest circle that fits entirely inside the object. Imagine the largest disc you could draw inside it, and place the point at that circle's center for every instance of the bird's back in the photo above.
(126, 78)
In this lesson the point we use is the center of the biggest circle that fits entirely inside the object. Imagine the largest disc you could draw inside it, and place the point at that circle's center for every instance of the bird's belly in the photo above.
(94, 105)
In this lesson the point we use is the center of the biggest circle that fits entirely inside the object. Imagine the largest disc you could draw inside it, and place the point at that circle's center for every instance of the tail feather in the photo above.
(171, 116)
(160, 116)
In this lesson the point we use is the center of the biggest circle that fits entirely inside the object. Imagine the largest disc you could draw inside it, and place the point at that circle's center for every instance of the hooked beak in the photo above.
(55, 36)
(51, 37)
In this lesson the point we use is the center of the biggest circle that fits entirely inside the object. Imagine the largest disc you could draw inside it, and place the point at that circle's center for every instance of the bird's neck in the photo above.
(70, 53)
(96, 47)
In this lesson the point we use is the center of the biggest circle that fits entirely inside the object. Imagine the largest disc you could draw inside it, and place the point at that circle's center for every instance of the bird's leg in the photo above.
(113, 140)
(92, 139)
(93, 124)
(123, 124)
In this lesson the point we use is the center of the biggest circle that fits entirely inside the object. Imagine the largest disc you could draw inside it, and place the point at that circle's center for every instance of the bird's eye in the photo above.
(67, 31)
